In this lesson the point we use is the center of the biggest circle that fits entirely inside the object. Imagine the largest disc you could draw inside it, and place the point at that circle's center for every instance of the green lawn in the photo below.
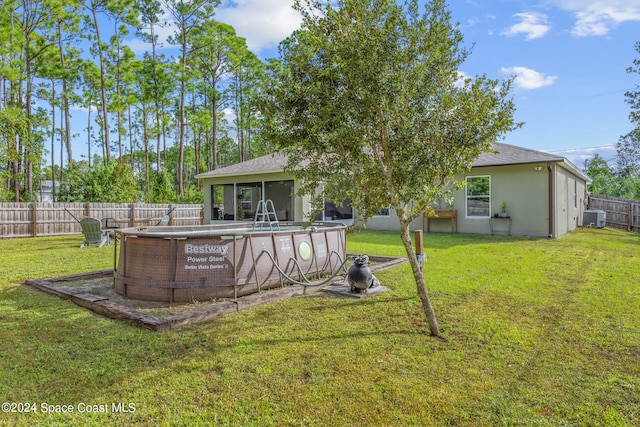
(538, 333)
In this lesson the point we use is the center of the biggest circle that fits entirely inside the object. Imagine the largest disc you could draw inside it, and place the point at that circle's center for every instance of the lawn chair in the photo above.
(164, 221)
(93, 232)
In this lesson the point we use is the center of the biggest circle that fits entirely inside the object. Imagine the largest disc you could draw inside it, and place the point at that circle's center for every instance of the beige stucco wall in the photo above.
(569, 199)
(523, 187)
(390, 223)
(525, 190)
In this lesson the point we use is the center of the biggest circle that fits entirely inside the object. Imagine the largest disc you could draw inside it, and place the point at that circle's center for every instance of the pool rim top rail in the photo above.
(228, 228)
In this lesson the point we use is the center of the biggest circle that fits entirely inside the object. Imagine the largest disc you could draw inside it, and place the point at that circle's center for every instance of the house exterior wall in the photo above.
(570, 194)
(389, 223)
(525, 190)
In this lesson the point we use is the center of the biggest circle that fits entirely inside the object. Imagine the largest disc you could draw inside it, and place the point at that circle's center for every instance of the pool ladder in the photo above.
(266, 216)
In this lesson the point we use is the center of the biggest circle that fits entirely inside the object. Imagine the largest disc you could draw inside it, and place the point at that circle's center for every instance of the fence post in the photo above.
(34, 220)
(133, 213)
(419, 242)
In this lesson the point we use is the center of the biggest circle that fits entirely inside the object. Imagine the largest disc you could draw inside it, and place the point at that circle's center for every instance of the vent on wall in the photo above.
(594, 218)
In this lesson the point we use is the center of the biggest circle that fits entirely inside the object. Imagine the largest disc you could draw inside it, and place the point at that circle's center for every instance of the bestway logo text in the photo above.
(205, 249)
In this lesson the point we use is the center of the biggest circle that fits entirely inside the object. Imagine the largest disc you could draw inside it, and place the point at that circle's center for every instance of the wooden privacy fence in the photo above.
(621, 213)
(54, 219)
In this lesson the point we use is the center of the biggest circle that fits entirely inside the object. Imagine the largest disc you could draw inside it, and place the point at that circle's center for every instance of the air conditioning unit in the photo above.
(594, 218)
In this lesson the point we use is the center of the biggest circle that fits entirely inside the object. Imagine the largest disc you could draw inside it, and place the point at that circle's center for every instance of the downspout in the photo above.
(550, 195)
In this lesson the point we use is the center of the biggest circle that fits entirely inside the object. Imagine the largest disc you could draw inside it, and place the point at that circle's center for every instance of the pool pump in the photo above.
(360, 277)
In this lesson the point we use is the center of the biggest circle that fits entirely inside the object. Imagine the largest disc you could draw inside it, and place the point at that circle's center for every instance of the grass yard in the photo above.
(538, 333)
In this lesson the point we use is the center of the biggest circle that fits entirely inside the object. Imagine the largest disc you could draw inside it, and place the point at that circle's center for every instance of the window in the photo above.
(240, 201)
(384, 212)
(478, 196)
(217, 202)
(247, 196)
(281, 193)
(331, 211)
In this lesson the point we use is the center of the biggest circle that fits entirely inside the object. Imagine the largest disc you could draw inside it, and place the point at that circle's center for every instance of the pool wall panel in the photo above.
(167, 266)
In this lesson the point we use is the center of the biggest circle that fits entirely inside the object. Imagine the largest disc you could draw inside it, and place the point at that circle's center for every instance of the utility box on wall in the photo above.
(594, 218)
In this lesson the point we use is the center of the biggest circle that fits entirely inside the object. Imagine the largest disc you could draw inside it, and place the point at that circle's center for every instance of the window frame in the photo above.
(467, 197)
(381, 214)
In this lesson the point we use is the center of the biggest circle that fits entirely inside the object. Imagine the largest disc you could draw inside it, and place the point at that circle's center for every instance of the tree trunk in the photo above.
(145, 138)
(103, 88)
(182, 114)
(213, 154)
(419, 278)
(156, 97)
(29, 137)
(65, 103)
(53, 144)
(89, 135)
(131, 148)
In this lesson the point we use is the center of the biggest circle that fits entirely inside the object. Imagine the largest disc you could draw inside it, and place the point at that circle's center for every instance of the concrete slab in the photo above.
(345, 291)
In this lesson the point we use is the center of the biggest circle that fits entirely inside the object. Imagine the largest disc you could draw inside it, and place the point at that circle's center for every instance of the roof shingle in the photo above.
(505, 154)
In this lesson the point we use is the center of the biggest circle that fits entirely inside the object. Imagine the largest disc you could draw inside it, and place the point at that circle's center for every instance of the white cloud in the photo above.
(462, 77)
(532, 24)
(578, 156)
(163, 30)
(528, 79)
(229, 115)
(598, 17)
(263, 23)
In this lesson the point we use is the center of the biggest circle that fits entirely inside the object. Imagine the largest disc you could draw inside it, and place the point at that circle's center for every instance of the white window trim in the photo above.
(388, 215)
(466, 198)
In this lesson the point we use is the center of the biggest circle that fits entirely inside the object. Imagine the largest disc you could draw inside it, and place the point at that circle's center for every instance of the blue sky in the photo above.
(569, 58)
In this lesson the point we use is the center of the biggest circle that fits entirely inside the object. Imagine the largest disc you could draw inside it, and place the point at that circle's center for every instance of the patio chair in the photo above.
(164, 221)
(93, 232)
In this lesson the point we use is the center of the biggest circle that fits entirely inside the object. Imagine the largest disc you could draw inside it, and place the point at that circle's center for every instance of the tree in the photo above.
(108, 182)
(247, 77)
(603, 180)
(149, 19)
(367, 97)
(95, 7)
(29, 39)
(213, 48)
(628, 146)
(188, 17)
(67, 22)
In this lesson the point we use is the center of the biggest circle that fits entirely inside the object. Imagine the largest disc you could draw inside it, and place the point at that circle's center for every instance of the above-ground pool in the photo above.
(181, 264)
